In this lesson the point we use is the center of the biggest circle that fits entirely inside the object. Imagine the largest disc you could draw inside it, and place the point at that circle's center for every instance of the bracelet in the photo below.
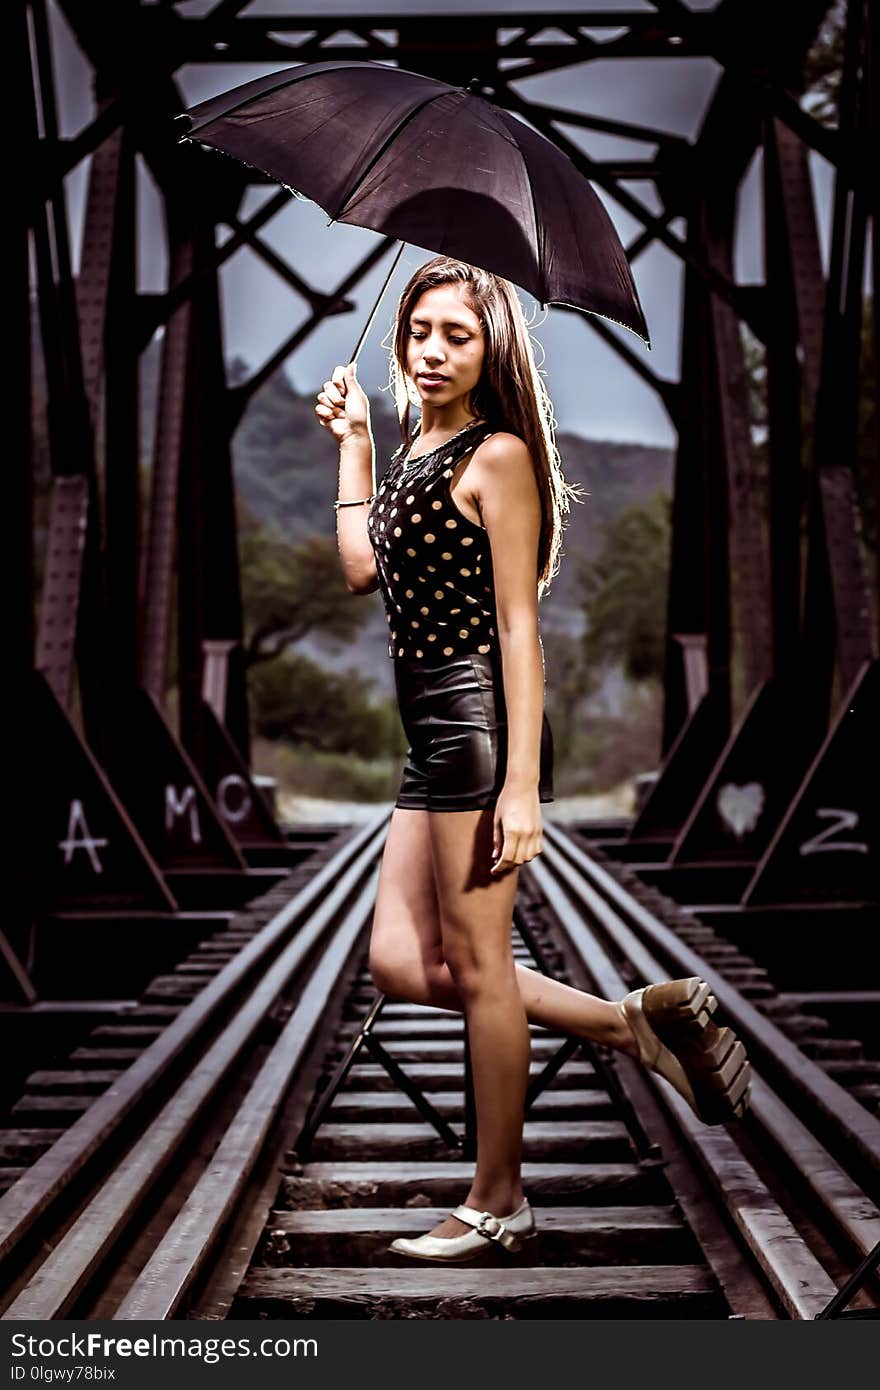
(356, 503)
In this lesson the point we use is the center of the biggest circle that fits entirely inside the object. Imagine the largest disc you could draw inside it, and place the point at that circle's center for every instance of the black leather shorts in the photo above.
(455, 718)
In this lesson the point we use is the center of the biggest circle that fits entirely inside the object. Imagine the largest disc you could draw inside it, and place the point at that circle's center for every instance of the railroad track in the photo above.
(817, 1017)
(210, 1178)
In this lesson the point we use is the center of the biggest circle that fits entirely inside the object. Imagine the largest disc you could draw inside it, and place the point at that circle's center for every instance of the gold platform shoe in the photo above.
(677, 1039)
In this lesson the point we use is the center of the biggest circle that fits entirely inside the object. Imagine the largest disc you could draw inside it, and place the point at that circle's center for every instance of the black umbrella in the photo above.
(435, 165)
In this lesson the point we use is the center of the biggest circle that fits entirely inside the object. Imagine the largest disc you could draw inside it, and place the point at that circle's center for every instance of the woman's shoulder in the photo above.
(502, 450)
(503, 469)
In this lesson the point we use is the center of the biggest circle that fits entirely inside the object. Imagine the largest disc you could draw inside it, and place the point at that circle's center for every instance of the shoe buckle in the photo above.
(490, 1225)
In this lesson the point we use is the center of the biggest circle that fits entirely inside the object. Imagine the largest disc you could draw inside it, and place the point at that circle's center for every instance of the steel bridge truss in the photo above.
(768, 568)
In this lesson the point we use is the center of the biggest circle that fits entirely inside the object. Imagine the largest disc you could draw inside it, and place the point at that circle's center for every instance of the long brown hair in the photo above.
(510, 394)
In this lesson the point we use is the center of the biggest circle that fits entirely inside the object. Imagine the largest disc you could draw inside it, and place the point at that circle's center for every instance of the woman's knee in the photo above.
(400, 976)
(386, 970)
(472, 967)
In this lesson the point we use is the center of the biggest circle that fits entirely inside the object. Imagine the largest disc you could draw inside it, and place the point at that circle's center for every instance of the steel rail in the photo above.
(634, 925)
(798, 1278)
(800, 1282)
(159, 1289)
(595, 921)
(44, 1181)
(73, 1261)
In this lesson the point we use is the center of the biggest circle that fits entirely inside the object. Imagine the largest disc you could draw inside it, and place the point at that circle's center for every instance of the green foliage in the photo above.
(569, 682)
(329, 734)
(596, 750)
(302, 771)
(286, 464)
(614, 475)
(823, 66)
(292, 583)
(289, 590)
(624, 592)
(294, 698)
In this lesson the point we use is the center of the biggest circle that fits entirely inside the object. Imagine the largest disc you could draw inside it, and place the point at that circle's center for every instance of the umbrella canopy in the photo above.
(439, 166)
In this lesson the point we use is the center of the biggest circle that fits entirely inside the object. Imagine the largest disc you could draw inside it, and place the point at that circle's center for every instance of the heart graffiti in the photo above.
(740, 807)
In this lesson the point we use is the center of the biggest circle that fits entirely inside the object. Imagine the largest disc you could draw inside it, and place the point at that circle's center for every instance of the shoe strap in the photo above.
(492, 1227)
(653, 1053)
(632, 1008)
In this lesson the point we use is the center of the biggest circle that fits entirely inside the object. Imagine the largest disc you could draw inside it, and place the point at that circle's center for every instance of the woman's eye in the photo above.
(459, 342)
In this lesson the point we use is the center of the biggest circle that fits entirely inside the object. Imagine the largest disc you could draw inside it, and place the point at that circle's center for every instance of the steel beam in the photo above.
(838, 600)
(735, 587)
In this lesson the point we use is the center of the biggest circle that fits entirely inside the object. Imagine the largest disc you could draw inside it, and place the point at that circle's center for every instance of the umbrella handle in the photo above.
(369, 323)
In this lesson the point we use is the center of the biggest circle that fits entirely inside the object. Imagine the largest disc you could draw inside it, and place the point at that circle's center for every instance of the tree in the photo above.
(295, 699)
(824, 65)
(624, 592)
(290, 590)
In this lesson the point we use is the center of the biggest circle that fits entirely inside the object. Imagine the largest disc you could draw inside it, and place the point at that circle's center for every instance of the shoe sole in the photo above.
(713, 1059)
(492, 1249)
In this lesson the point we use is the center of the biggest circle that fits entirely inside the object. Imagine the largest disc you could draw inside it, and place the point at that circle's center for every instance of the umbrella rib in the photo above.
(349, 194)
(539, 236)
(287, 76)
(509, 131)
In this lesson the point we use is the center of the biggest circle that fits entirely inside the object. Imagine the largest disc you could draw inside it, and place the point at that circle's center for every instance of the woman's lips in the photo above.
(433, 380)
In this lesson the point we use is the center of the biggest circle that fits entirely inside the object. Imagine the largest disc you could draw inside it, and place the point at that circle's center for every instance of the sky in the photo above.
(594, 393)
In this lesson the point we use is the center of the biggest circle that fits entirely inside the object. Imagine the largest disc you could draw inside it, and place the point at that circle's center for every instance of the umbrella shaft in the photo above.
(369, 323)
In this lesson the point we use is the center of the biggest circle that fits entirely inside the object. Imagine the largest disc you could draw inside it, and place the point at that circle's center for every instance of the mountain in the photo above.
(286, 473)
(285, 469)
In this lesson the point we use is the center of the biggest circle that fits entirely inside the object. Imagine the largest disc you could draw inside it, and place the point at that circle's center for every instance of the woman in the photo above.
(463, 537)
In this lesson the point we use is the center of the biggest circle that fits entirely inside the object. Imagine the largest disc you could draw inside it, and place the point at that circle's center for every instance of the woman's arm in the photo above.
(356, 479)
(506, 490)
(343, 408)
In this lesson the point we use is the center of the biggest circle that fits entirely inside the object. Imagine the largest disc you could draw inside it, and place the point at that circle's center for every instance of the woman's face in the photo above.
(445, 346)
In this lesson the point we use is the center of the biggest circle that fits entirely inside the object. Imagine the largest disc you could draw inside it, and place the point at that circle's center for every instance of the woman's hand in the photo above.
(517, 830)
(343, 407)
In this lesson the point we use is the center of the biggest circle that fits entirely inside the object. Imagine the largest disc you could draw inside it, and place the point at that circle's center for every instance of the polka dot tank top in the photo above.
(433, 563)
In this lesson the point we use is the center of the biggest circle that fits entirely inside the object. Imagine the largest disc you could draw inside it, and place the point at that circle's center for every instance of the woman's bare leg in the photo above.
(475, 916)
(411, 939)
(407, 950)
